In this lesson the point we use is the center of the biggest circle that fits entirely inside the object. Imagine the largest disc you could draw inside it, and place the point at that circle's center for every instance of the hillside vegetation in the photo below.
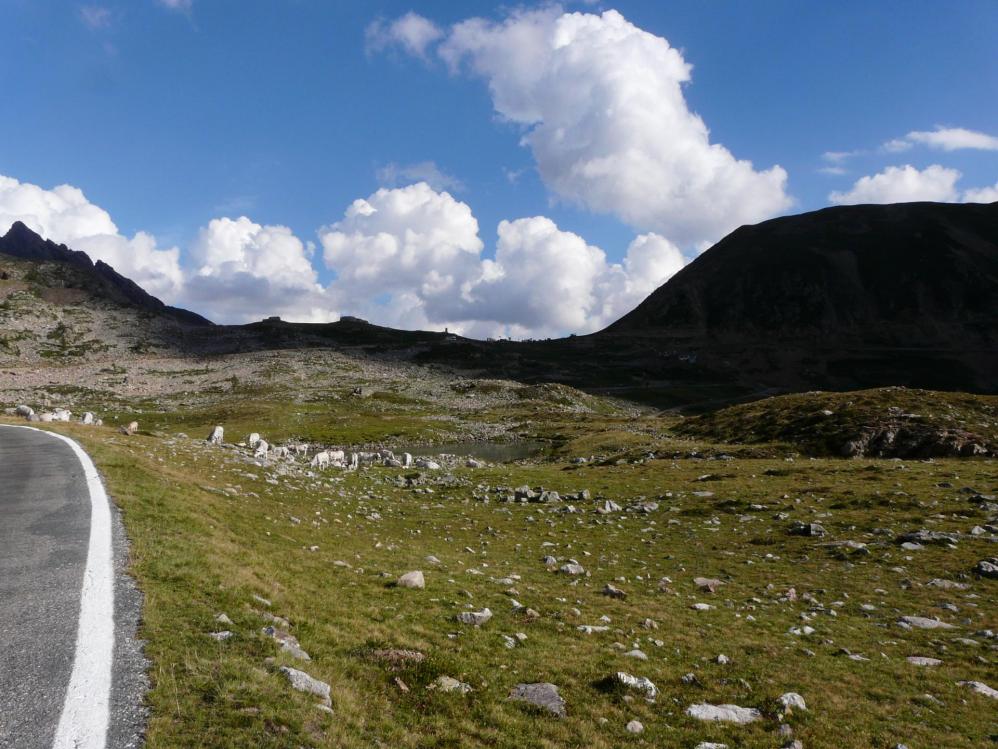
(885, 422)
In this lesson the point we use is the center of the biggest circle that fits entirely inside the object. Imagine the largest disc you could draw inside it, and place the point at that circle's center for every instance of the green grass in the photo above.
(198, 551)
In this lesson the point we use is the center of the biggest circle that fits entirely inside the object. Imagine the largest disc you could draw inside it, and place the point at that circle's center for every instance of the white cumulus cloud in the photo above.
(411, 257)
(542, 279)
(243, 271)
(900, 184)
(545, 281)
(602, 107)
(982, 194)
(410, 240)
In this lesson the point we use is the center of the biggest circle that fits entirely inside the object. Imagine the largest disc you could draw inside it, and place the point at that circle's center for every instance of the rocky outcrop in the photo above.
(21, 242)
(896, 439)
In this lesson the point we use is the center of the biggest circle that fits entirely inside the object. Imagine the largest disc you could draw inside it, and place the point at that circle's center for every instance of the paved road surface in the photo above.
(46, 507)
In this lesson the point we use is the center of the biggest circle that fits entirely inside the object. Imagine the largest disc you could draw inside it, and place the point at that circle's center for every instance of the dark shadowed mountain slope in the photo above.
(21, 242)
(910, 274)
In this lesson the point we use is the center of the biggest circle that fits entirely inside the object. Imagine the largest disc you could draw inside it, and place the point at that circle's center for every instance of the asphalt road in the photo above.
(45, 538)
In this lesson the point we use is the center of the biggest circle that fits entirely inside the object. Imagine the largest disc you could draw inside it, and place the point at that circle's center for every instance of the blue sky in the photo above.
(169, 114)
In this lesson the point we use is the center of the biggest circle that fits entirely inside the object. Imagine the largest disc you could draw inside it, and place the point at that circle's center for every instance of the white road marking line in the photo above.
(86, 709)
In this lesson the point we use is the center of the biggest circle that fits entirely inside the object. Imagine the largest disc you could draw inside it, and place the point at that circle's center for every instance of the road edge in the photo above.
(104, 705)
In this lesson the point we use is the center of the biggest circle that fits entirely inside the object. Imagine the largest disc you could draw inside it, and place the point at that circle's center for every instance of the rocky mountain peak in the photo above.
(22, 242)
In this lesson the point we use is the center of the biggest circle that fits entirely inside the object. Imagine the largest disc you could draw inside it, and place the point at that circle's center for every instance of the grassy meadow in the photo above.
(213, 531)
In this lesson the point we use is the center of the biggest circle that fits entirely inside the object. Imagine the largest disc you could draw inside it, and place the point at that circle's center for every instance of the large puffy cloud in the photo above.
(605, 117)
(542, 278)
(899, 184)
(64, 215)
(650, 261)
(244, 271)
(412, 257)
(545, 281)
(409, 243)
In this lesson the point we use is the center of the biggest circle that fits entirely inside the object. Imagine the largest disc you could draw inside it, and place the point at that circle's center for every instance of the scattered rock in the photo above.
(288, 642)
(613, 591)
(477, 618)
(412, 579)
(723, 713)
(215, 438)
(543, 695)
(450, 684)
(305, 683)
(928, 537)
(707, 584)
(918, 660)
(921, 622)
(988, 568)
(792, 701)
(640, 683)
(981, 688)
(635, 727)
(946, 584)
